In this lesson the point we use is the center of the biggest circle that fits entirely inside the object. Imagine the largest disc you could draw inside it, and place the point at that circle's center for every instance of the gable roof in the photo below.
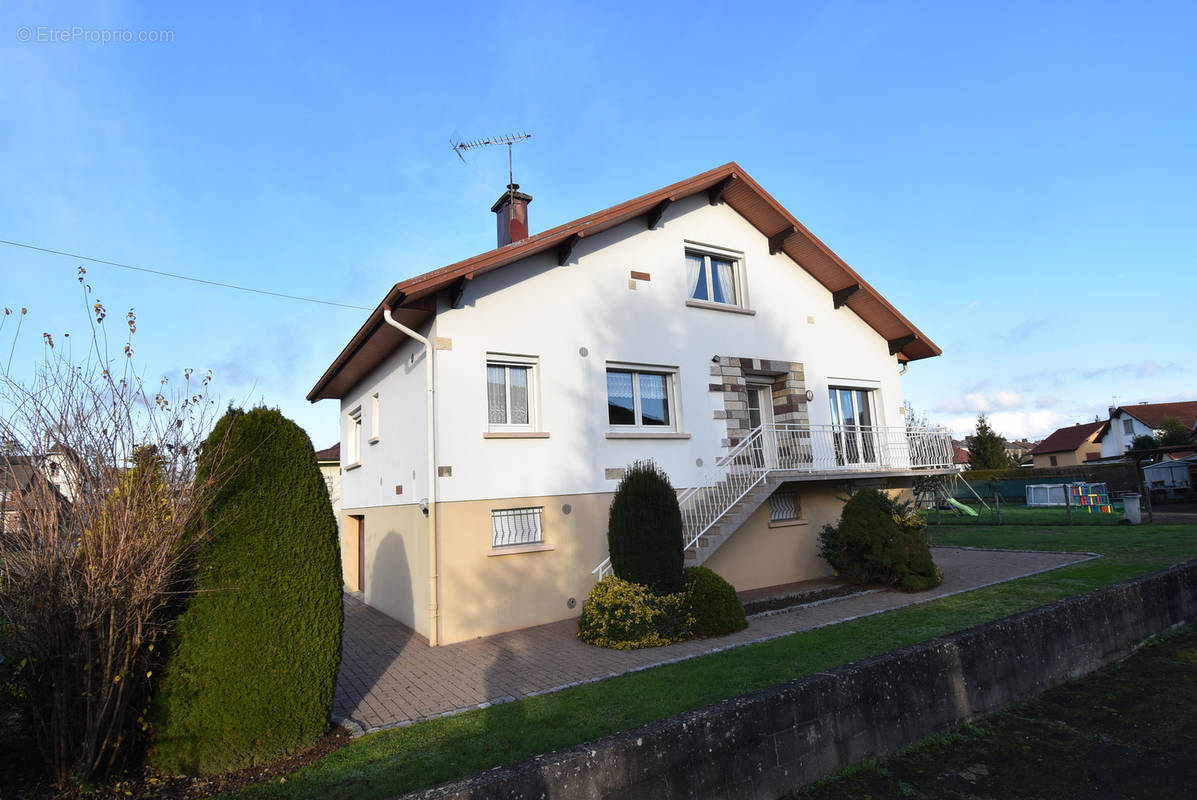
(1066, 440)
(329, 453)
(414, 301)
(1153, 414)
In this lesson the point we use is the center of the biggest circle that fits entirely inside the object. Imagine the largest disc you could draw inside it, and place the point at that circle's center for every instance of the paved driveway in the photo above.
(391, 677)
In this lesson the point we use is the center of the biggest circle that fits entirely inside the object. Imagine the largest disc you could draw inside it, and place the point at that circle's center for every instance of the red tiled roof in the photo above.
(329, 453)
(960, 455)
(1153, 414)
(1067, 440)
(413, 301)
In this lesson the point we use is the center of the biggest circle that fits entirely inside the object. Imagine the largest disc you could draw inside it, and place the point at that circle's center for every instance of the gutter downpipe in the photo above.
(433, 576)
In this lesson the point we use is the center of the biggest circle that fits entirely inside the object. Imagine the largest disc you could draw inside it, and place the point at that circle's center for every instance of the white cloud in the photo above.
(973, 304)
(1046, 401)
(1012, 424)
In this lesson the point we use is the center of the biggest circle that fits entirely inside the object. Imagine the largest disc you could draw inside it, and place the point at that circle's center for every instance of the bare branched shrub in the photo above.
(101, 519)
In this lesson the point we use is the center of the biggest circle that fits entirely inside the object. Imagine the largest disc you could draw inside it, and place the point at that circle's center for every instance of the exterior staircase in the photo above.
(770, 455)
(700, 547)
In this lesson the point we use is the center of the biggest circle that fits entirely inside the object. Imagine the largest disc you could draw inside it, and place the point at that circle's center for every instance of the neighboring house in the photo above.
(21, 475)
(1019, 449)
(1129, 422)
(700, 326)
(960, 457)
(1070, 446)
(329, 461)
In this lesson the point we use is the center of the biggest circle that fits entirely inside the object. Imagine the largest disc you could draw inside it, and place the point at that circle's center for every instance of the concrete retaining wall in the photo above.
(769, 743)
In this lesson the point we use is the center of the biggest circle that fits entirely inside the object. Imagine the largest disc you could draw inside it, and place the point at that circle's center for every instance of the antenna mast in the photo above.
(460, 147)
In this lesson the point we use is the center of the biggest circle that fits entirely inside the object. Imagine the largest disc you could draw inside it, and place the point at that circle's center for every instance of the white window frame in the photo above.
(375, 426)
(353, 437)
(672, 394)
(1128, 427)
(507, 361)
(740, 284)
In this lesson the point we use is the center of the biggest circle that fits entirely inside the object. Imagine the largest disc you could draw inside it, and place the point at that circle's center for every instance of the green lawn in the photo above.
(406, 759)
(1019, 514)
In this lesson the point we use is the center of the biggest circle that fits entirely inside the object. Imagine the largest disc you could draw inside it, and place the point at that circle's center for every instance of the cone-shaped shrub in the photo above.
(644, 530)
(254, 658)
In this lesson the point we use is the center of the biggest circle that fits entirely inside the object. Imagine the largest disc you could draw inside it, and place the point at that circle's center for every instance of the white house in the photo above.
(1129, 422)
(488, 408)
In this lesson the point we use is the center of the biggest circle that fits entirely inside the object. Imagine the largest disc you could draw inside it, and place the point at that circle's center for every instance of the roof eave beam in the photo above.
(840, 296)
(457, 290)
(656, 212)
(566, 248)
(778, 239)
(715, 193)
(896, 345)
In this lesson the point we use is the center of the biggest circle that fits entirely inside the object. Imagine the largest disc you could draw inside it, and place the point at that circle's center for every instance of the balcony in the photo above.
(770, 455)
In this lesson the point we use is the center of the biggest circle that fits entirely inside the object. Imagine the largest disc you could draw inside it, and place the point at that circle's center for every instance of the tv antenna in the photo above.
(460, 147)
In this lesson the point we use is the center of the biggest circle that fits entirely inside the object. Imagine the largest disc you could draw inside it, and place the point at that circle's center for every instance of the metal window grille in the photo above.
(513, 526)
(783, 506)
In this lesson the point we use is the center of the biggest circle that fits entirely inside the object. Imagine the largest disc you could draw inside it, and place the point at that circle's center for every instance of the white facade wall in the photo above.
(536, 308)
(1116, 441)
(399, 457)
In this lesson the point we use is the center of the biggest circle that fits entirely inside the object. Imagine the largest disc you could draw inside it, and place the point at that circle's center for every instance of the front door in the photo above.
(760, 413)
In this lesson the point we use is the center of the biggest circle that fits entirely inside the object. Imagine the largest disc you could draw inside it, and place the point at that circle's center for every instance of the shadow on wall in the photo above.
(372, 640)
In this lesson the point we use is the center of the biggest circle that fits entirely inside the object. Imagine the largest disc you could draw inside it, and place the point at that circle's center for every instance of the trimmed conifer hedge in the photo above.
(644, 530)
(254, 658)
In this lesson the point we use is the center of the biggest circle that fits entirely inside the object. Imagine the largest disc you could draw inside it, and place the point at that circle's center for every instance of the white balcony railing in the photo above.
(784, 449)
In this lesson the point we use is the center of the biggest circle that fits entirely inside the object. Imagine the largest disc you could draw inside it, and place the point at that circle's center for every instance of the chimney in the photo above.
(512, 211)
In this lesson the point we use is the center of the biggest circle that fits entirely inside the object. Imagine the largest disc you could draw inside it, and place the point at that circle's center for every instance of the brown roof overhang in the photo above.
(375, 339)
(1066, 440)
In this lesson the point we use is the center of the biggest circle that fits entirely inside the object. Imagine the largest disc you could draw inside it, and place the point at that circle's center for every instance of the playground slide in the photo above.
(961, 507)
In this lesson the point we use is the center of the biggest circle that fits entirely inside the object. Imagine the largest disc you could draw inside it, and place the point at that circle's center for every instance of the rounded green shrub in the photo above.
(627, 616)
(880, 541)
(644, 530)
(254, 658)
(712, 604)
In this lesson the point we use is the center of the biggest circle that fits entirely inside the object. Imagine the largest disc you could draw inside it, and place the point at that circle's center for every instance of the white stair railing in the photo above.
(798, 448)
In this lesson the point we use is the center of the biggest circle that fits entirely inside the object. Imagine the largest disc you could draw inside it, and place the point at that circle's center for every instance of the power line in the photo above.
(182, 277)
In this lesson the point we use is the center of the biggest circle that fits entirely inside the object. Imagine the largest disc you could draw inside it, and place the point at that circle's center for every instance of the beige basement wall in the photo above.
(487, 590)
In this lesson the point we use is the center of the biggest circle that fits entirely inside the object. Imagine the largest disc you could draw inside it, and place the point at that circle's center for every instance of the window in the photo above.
(1053, 460)
(641, 398)
(714, 276)
(784, 506)
(510, 390)
(1128, 427)
(353, 437)
(374, 424)
(516, 526)
(854, 430)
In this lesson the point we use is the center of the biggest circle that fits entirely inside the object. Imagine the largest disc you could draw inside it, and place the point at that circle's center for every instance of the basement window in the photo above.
(513, 527)
(785, 508)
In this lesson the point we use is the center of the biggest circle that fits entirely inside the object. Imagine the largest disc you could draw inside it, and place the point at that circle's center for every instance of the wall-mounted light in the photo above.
(714, 359)
(809, 395)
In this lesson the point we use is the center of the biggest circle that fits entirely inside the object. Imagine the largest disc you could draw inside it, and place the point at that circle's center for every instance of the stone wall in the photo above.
(769, 743)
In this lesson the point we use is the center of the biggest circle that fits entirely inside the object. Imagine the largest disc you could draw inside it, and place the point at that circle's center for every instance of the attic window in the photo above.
(715, 277)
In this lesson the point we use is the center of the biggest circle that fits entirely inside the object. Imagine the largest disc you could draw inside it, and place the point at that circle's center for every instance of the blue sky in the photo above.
(1018, 178)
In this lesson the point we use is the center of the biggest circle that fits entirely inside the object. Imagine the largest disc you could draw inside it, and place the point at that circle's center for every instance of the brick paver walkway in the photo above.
(391, 677)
